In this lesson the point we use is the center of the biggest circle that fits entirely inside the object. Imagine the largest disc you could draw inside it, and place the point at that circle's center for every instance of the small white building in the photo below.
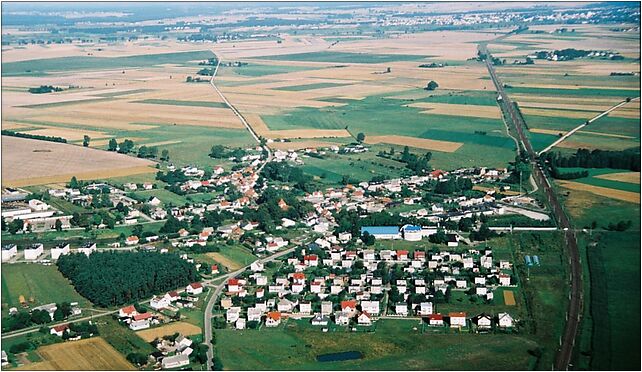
(175, 361)
(59, 250)
(505, 320)
(9, 251)
(34, 251)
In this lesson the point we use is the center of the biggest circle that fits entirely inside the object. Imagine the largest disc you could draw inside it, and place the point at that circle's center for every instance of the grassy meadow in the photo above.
(44, 283)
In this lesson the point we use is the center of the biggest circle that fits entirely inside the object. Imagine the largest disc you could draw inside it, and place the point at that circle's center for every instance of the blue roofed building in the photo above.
(382, 232)
(412, 233)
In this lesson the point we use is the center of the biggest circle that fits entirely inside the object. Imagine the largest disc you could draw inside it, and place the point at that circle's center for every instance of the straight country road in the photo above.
(238, 114)
(572, 131)
(574, 312)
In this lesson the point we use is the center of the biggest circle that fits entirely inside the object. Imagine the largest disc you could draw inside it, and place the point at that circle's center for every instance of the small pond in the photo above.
(338, 357)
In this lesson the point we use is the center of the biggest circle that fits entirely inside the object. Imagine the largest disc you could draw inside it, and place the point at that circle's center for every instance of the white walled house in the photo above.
(34, 251)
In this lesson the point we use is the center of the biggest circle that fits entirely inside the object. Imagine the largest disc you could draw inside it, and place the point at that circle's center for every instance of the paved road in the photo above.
(565, 353)
(570, 133)
(238, 114)
(207, 324)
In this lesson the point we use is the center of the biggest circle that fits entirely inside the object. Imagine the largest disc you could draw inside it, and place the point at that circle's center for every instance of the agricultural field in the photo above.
(51, 162)
(45, 284)
(233, 257)
(89, 354)
(555, 97)
(615, 271)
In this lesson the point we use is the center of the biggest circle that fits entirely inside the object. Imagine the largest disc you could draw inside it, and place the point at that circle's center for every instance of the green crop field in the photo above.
(48, 65)
(191, 144)
(393, 346)
(584, 208)
(299, 88)
(238, 254)
(345, 57)
(44, 283)
(378, 115)
(256, 70)
(172, 102)
(588, 92)
(615, 290)
(615, 125)
(593, 180)
(362, 167)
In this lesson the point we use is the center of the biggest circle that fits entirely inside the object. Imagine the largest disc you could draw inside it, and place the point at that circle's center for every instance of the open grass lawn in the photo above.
(345, 57)
(615, 292)
(44, 283)
(393, 346)
(40, 66)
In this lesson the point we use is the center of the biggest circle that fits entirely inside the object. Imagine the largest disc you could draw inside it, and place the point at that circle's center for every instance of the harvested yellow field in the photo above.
(509, 298)
(562, 132)
(69, 134)
(230, 264)
(547, 131)
(627, 196)
(605, 134)
(563, 106)
(299, 145)
(478, 111)
(93, 354)
(184, 328)
(630, 177)
(559, 113)
(161, 143)
(32, 162)
(422, 143)
(308, 133)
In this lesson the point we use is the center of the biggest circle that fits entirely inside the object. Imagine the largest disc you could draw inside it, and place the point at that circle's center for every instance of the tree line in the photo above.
(583, 158)
(45, 89)
(33, 136)
(116, 278)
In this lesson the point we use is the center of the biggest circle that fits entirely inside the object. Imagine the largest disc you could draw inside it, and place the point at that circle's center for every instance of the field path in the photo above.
(238, 114)
(568, 134)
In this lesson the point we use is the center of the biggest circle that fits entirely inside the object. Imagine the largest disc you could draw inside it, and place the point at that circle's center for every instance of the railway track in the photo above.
(574, 311)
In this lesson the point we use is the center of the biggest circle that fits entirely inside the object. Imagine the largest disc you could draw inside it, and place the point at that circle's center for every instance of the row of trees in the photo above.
(583, 158)
(221, 152)
(116, 278)
(45, 89)
(33, 136)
